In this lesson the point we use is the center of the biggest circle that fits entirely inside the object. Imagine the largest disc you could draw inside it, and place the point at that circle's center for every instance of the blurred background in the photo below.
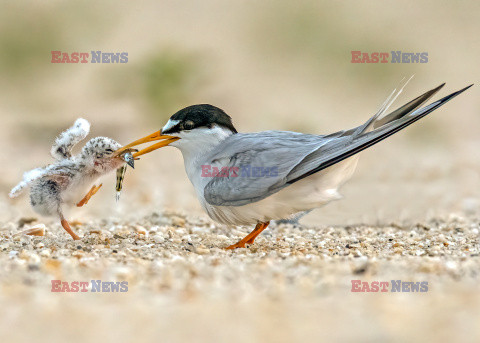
(279, 65)
(276, 65)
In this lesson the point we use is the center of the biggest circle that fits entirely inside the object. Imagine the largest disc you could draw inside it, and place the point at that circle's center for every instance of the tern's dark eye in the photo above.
(109, 151)
(188, 125)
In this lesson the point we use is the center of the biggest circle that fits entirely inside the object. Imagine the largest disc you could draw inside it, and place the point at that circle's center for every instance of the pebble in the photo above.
(141, 230)
(153, 229)
(177, 221)
(37, 230)
(158, 239)
(202, 251)
(45, 253)
(168, 257)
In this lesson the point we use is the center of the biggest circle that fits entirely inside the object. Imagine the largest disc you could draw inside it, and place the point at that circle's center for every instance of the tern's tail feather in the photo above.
(368, 126)
(383, 128)
(407, 108)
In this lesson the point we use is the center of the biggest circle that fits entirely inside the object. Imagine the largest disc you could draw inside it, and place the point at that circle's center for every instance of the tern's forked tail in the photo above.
(383, 128)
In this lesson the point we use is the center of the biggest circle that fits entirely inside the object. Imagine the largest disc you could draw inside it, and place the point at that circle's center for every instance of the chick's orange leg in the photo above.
(67, 228)
(90, 194)
(250, 238)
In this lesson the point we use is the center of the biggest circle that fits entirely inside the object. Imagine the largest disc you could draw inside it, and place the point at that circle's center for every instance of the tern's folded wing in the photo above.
(256, 165)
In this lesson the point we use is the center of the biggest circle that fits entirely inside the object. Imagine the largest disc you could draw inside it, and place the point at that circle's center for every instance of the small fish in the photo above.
(128, 157)
(120, 176)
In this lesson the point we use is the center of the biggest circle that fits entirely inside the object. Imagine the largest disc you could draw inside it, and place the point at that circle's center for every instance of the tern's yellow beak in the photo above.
(156, 136)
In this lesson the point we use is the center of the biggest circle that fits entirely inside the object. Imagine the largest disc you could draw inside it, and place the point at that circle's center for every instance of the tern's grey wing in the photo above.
(297, 156)
(257, 165)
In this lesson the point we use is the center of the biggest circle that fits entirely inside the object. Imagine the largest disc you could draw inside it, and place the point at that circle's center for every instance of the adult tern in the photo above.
(252, 178)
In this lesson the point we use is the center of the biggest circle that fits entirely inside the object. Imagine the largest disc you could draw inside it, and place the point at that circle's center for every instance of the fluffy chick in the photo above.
(62, 183)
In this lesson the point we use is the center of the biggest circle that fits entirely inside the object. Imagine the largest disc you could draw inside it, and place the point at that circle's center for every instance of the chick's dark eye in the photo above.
(188, 125)
(109, 150)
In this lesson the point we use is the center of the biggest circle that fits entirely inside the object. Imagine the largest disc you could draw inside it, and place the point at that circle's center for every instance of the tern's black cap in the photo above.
(202, 115)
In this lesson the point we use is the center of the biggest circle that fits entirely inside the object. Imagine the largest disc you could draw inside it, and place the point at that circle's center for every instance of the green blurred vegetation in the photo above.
(321, 34)
(30, 31)
(26, 43)
(163, 82)
(159, 82)
(167, 79)
(316, 38)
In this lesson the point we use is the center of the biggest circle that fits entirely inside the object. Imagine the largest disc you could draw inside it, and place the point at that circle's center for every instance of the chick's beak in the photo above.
(156, 136)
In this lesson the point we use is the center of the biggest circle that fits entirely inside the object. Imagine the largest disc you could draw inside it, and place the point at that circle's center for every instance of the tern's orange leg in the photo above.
(67, 228)
(90, 194)
(250, 238)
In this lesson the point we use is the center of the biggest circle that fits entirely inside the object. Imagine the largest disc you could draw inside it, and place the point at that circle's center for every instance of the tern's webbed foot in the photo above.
(250, 238)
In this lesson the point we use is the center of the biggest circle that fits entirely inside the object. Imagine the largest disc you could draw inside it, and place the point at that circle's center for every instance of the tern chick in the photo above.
(253, 178)
(63, 183)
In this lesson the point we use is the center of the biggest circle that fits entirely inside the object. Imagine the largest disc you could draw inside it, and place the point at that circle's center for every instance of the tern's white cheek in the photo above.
(200, 139)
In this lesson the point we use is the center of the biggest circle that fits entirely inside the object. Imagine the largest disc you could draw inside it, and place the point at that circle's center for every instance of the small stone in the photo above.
(140, 230)
(153, 229)
(177, 221)
(158, 239)
(398, 250)
(37, 230)
(45, 253)
(78, 254)
(202, 251)
(34, 259)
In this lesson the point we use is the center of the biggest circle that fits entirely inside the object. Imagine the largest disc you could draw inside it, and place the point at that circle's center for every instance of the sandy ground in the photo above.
(293, 284)
(411, 211)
